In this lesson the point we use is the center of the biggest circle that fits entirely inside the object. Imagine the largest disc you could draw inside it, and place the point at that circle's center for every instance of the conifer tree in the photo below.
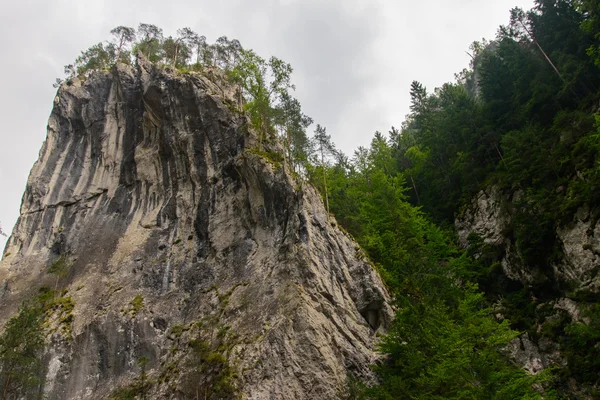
(325, 148)
(150, 44)
(124, 36)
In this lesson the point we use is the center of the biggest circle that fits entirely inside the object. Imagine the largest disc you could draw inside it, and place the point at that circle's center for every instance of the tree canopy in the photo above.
(266, 84)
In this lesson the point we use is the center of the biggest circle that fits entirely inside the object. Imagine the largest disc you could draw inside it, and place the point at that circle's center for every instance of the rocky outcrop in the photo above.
(564, 294)
(186, 245)
(489, 216)
(534, 357)
(581, 246)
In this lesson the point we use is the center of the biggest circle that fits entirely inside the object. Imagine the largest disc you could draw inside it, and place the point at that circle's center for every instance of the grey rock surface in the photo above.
(533, 357)
(486, 216)
(581, 246)
(176, 229)
(490, 216)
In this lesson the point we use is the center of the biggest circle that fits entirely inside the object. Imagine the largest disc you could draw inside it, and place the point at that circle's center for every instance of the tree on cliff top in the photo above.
(265, 85)
(124, 36)
(150, 44)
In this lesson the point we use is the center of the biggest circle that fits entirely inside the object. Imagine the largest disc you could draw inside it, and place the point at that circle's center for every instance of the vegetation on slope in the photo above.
(522, 117)
(445, 341)
(23, 340)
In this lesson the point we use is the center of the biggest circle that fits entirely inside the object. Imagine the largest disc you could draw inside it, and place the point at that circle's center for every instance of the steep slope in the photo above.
(490, 216)
(552, 304)
(180, 241)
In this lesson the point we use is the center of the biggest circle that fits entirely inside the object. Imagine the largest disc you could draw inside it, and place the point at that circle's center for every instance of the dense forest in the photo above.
(523, 117)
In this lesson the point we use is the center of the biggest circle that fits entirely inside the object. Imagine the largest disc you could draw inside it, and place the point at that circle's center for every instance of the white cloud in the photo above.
(354, 60)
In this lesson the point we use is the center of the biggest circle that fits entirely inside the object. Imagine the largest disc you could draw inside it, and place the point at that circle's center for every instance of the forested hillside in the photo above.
(522, 119)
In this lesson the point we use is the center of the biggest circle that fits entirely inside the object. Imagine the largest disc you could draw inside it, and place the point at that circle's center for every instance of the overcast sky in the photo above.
(353, 60)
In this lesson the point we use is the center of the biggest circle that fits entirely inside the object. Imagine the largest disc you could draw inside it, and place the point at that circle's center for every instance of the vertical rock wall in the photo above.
(185, 245)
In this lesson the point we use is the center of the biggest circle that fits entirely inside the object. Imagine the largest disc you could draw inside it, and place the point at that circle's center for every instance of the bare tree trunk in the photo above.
(121, 42)
(415, 187)
(498, 150)
(289, 148)
(325, 181)
(542, 50)
(175, 56)
(6, 388)
(261, 134)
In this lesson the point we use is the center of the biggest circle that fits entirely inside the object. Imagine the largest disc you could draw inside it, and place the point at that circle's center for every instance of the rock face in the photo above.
(179, 240)
(581, 246)
(490, 216)
(574, 276)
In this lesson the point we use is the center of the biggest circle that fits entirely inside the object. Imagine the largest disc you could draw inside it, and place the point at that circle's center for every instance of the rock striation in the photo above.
(178, 234)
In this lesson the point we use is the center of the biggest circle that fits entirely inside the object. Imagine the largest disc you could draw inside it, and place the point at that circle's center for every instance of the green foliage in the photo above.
(324, 149)
(445, 341)
(59, 268)
(353, 389)
(176, 50)
(526, 124)
(123, 36)
(99, 57)
(177, 331)
(208, 373)
(58, 310)
(204, 369)
(135, 306)
(450, 352)
(21, 350)
(520, 118)
(150, 43)
(580, 343)
(590, 25)
(22, 342)
(270, 156)
(264, 84)
(136, 389)
(129, 392)
(137, 303)
(292, 123)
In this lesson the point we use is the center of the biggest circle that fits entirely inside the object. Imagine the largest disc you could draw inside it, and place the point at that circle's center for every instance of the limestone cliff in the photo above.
(558, 295)
(177, 236)
(490, 215)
